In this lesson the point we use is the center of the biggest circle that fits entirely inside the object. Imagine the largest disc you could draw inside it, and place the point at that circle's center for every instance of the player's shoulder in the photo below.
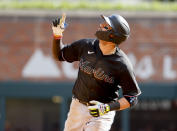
(124, 61)
(90, 42)
(87, 40)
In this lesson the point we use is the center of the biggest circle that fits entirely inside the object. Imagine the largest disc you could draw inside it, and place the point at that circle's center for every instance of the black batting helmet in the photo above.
(120, 29)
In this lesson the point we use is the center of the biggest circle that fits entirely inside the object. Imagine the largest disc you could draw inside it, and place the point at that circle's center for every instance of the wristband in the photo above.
(57, 37)
(114, 106)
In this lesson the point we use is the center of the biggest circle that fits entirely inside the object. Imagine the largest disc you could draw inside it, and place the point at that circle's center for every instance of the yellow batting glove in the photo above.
(58, 26)
(97, 108)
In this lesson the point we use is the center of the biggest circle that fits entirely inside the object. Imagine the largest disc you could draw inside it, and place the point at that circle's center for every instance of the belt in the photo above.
(82, 102)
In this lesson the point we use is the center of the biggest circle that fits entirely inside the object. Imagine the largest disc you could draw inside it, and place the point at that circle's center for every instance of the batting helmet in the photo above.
(120, 29)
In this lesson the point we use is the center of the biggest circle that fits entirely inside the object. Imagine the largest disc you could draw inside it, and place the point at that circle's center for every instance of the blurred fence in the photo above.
(31, 106)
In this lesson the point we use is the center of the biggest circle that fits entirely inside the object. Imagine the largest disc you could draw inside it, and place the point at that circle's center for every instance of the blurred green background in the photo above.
(135, 5)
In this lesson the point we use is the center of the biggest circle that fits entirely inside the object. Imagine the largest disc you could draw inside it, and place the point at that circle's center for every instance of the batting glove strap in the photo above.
(107, 108)
(57, 37)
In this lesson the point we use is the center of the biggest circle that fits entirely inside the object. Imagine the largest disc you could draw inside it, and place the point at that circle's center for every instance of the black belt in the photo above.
(82, 102)
(86, 103)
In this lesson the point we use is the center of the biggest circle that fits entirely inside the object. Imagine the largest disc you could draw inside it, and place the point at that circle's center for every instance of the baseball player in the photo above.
(103, 70)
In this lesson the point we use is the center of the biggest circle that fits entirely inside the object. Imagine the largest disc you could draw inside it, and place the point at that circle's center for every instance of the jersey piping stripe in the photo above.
(63, 56)
(133, 95)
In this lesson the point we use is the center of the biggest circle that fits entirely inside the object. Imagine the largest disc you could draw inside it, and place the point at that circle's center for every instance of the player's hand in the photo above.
(58, 26)
(97, 108)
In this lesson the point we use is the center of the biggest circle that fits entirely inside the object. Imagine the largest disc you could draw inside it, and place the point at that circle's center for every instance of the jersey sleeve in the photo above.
(128, 83)
(73, 51)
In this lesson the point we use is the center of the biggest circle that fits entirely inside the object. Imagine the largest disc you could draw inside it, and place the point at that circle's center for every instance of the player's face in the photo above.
(104, 27)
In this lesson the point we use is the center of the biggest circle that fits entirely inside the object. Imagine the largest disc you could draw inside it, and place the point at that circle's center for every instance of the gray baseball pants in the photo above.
(79, 119)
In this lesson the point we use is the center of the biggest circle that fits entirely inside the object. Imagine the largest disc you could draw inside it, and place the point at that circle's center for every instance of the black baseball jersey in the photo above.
(99, 76)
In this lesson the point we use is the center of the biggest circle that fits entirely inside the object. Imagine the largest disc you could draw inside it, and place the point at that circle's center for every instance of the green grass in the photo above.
(154, 6)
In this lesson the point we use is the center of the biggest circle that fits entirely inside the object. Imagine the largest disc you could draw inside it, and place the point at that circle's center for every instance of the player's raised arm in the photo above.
(58, 26)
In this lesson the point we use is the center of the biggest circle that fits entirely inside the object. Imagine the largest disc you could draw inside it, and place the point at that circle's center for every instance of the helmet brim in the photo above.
(107, 20)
